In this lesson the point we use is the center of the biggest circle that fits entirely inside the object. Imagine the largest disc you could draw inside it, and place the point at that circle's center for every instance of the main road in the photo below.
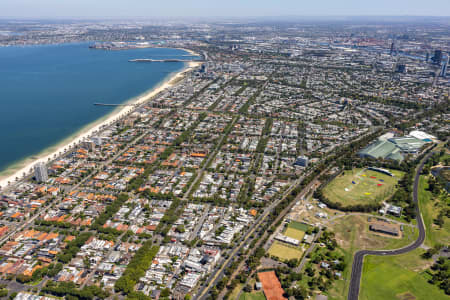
(355, 280)
(218, 274)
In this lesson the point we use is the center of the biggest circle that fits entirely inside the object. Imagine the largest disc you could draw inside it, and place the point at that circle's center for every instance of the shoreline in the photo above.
(191, 52)
(16, 170)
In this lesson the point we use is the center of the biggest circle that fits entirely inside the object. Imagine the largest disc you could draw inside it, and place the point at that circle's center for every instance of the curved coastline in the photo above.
(191, 52)
(25, 166)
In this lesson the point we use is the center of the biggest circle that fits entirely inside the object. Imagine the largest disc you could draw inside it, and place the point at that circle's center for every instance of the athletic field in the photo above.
(361, 186)
(298, 226)
(285, 252)
(296, 230)
(294, 233)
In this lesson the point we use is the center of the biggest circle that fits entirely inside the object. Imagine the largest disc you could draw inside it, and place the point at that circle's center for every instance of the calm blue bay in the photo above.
(47, 92)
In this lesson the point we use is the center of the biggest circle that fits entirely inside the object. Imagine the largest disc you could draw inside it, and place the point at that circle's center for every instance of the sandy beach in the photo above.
(191, 52)
(26, 165)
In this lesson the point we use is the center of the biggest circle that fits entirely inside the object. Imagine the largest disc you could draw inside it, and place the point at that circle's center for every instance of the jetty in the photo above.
(160, 60)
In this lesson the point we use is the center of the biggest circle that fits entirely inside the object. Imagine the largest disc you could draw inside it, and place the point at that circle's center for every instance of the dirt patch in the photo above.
(267, 263)
(406, 296)
(423, 267)
(353, 232)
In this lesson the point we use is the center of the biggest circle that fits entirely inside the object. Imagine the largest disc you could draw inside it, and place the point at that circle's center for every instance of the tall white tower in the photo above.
(40, 172)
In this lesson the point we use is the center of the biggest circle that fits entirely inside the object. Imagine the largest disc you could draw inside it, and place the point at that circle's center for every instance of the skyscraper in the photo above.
(437, 58)
(40, 172)
(444, 66)
(401, 68)
(392, 49)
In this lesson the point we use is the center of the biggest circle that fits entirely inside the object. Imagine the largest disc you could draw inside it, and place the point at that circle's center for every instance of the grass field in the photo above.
(397, 277)
(361, 186)
(252, 296)
(285, 252)
(434, 234)
(352, 234)
(445, 174)
(294, 233)
(298, 226)
(234, 294)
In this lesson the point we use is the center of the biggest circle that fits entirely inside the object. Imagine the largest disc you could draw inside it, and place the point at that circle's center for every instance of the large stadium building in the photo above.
(394, 148)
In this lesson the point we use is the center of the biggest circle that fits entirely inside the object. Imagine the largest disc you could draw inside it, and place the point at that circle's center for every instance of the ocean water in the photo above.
(47, 92)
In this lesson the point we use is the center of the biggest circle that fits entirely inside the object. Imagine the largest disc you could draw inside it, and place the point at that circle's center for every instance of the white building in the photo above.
(40, 172)
(421, 135)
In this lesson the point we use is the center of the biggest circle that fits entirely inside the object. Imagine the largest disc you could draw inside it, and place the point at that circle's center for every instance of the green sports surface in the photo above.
(298, 226)
(294, 233)
(284, 251)
(361, 186)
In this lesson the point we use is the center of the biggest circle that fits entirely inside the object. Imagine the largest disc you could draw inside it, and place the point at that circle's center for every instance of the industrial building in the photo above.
(384, 229)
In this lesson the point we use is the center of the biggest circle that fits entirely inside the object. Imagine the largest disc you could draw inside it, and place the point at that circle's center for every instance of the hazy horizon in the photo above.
(84, 9)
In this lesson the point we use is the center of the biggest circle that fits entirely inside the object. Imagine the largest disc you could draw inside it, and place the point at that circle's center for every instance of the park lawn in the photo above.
(390, 277)
(445, 174)
(352, 234)
(298, 226)
(366, 190)
(445, 156)
(294, 233)
(234, 294)
(252, 296)
(434, 234)
(285, 252)
(339, 290)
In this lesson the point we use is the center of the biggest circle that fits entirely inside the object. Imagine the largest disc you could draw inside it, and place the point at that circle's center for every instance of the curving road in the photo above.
(357, 266)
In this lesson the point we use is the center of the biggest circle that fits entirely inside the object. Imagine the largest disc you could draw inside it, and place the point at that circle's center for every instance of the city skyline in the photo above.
(234, 8)
(244, 150)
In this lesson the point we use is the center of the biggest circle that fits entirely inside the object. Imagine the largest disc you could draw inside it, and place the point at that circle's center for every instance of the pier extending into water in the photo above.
(161, 60)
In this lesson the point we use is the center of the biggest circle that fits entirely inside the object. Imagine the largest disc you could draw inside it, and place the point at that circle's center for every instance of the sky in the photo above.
(220, 8)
